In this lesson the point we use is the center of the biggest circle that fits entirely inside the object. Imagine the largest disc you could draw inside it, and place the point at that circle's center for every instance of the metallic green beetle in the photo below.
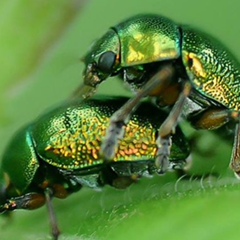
(59, 153)
(177, 65)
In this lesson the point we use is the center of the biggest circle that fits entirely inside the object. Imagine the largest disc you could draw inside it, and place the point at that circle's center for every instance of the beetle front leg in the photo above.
(120, 119)
(28, 201)
(32, 201)
(164, 140)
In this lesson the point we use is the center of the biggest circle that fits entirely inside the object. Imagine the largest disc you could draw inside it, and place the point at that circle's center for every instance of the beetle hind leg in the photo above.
(214, 118)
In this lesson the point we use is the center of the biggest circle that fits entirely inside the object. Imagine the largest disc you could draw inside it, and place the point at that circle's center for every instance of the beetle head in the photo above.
(102, 60)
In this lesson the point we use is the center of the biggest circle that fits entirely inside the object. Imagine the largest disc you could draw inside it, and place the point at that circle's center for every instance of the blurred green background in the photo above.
(41, 43)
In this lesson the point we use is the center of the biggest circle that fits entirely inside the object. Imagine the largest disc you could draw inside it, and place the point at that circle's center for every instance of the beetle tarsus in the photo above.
(114, 134)
(164, 149)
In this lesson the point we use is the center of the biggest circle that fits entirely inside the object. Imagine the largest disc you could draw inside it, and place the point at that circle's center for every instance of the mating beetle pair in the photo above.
(175, 65)
(63, 151)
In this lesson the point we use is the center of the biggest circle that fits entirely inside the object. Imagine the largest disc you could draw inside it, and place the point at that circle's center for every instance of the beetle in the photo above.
(58, 154)
(178, 67)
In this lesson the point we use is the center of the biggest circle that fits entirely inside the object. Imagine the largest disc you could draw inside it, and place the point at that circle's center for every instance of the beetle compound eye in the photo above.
(107, 61)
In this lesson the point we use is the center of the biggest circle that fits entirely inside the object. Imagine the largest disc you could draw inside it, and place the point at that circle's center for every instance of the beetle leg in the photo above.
(210, 119)
(214, 118)
(164, 140)
(28, 201)
(235, 159)
(52, 215)
(120, 118)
